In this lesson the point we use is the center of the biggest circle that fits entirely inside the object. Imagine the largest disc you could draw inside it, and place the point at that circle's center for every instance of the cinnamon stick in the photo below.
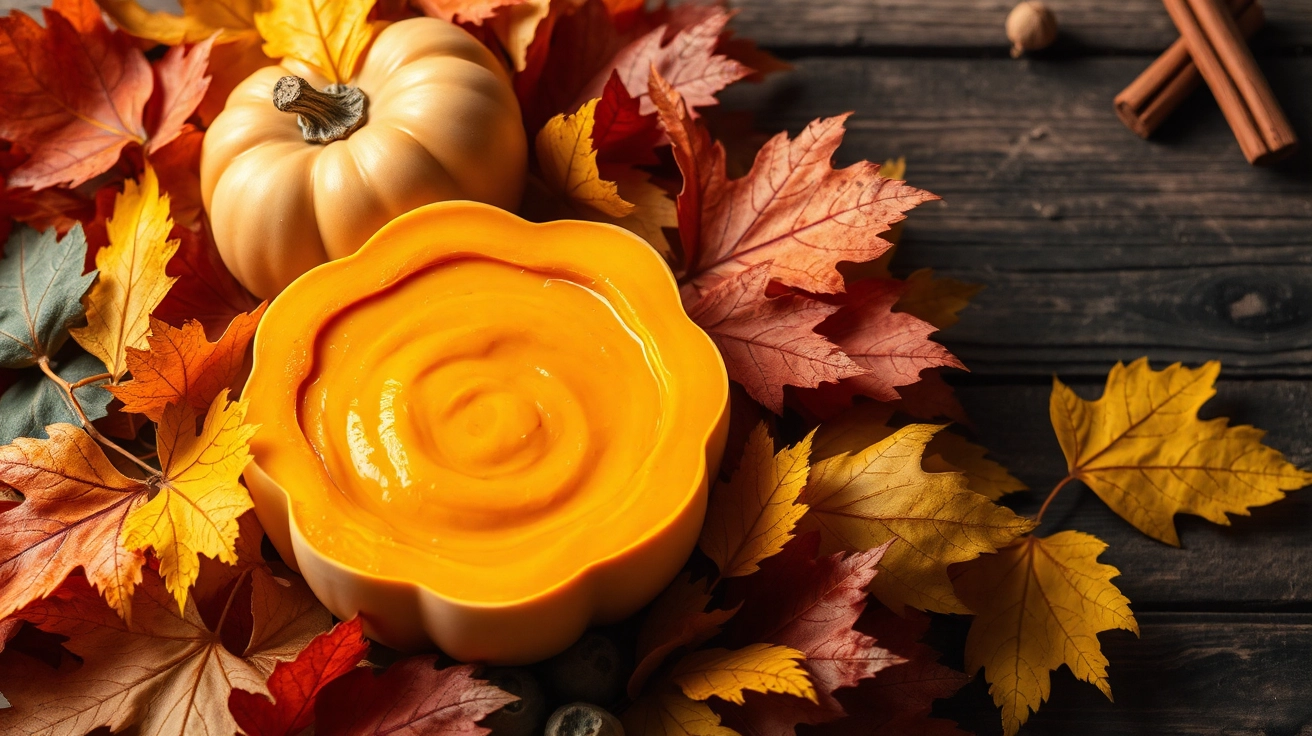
(1222, 57)
(1168, 81)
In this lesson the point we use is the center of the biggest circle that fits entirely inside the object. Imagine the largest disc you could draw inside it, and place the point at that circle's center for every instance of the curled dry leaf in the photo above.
(167, 671)
(181, 366)
(329, 35)
(73, 96)
(862, 500)
(132, 280)
(1039, 604)
(751, 517)
(412, 696)
(294, 685)
(569, 162)
(1143, 450)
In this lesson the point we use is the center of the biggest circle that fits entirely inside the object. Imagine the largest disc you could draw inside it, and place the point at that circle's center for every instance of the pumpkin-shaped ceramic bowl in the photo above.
(484, 433)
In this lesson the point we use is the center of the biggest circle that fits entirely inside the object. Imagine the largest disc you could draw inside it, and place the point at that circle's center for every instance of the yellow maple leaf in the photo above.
(1143, 450)
(329, 35)
(672, 714)
(862, 499)
(751, 517)
(764, 668)
(569, 162)
(1039, 604)
(653, 210)
(936, 301)
(200, 19)
(199, 500)
(131, 282)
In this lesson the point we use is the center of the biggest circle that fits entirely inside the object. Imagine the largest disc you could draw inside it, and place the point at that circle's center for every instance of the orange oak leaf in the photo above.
(75, 506)
(751, 517)
(463, 11)
(677, 619)
(892, 347)
(168, 672)
(412, 696)
(769, 342)
(793, 209)
(72, 99)
(685, 58)
(294, 685)
(811, 605)
(898, 700)
(182, 366)
(181, 82)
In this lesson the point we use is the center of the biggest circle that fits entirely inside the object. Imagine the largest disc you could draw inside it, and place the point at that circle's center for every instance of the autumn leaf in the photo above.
(862, 500)
(1039, 604)
(167, 672)
(769, 342)
(728, 674)
(35, 401)
(75, 506)
(936, 301)
(811, 605)
(1143, 450)
(899, 699)
(653, 210)
(295, 685)
(793, 210)
(891, 347)
(518, 25)
(569, 162)
(678, 618)
(41, 286)
(199, 499)
(181, 79)
(178, 167)
(866, 424)
(622, 133)
(182, 366)
(73, 98)
(132, 280)
(205, 290)
(329, 35)
(931, 398)
(412, 696)
(751, 517)
(672, 714)
(686, 61)
(463, 11)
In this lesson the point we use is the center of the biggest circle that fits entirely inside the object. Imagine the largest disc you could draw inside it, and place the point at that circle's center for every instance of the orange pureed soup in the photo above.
(491, 416)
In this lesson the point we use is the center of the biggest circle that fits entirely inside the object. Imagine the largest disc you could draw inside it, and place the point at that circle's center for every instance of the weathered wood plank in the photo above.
(1190, 674)
(1095, 245)
(1262, 562)
(890, 25)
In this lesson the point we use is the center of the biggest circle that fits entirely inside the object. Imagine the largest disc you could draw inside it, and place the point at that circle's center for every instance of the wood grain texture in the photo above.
(1189, 674)
(1093, 244)
(959, 26)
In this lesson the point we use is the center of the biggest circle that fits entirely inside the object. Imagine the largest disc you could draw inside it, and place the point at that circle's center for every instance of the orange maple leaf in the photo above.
(182, 366)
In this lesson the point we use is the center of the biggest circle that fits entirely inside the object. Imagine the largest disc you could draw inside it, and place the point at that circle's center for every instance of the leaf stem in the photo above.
(68, 389)
(89, 380)
(1039, 516)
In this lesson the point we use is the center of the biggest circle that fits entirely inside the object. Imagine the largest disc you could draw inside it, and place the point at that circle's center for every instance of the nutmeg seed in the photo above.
(1031, 26)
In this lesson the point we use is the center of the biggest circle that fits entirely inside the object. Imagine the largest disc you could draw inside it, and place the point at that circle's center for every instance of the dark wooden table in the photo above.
(1096, 246)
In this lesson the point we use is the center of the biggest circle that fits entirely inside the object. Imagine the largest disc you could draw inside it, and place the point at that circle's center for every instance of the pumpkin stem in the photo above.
(324, 116)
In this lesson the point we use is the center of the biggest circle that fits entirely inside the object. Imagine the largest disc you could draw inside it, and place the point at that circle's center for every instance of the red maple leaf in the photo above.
(622, 134)
(412, 696)
(792, 209)
(898, 701)
(892, 347)
(180, 82)
(769, 342)
(73, 99)
(683, 56)
(811, 605)
(294, 686)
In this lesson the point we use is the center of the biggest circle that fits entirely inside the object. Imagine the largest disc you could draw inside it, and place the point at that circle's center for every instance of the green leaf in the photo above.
(41, 288)
(36, 401)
